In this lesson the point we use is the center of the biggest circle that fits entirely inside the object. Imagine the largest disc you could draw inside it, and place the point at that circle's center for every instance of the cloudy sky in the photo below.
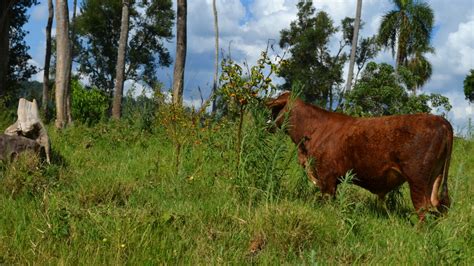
(247, 25)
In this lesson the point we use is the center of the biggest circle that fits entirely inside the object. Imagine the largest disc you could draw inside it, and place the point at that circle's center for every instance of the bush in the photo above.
(89, 105)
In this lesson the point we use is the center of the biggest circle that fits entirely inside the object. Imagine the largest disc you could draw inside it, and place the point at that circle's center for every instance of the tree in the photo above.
(469, 86)
(216, 62)
(117, 103)
(47, 59)
(419, 65)
(407, 29)
(72, 52)
(180, 62)
(98, 29)
(14, 55)
(354, 45)
(381, 91)
(310, 62)
(62, 61)
(367, 49)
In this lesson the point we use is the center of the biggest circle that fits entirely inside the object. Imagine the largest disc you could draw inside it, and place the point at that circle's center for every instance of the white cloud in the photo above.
(461, 111)
(460, 47)
(261, 8)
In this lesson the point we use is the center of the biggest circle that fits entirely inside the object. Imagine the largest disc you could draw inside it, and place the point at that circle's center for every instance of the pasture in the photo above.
(119, 193)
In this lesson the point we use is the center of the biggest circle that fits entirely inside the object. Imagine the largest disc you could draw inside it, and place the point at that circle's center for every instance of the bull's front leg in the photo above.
(308, 163)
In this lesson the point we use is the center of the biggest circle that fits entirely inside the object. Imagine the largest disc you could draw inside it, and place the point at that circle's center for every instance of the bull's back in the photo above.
(378, 148)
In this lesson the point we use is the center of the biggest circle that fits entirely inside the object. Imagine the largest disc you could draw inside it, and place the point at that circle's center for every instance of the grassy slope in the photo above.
(113, 196)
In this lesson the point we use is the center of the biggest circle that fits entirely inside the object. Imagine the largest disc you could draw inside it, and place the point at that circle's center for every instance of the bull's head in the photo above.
(278, 107)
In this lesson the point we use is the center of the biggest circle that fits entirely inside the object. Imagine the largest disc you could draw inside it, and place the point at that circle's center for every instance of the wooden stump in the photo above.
(30, 126)
(12, 146)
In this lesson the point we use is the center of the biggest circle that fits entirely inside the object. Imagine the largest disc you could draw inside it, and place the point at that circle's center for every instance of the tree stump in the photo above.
(12, 146)
(29, 125)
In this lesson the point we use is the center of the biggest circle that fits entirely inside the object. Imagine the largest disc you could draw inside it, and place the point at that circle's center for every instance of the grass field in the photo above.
(118, 194)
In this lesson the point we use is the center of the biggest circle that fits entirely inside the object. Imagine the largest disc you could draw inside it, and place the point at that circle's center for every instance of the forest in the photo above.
(143, 177)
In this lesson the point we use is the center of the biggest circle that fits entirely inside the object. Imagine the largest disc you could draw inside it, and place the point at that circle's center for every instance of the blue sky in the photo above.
(248, 24)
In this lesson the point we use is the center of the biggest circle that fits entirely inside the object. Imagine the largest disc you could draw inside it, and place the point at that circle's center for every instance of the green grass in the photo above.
(114, 196)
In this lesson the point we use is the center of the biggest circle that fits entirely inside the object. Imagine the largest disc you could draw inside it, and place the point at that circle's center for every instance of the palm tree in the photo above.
(420, 67)
(406, 28)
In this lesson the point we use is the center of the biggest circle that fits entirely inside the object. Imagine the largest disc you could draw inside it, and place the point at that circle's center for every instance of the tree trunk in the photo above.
(355, 39)
(69, 90)
(47, 60)
(63, 55)
(5, 6)
(216, 63)
(120, 70)
(179, 65)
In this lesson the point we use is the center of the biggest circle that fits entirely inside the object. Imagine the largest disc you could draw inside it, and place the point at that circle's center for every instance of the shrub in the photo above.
(89, 105)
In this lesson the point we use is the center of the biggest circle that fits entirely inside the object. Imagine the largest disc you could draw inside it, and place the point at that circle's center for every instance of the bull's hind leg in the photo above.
(420, 197)
(424, 195)
(435, 191)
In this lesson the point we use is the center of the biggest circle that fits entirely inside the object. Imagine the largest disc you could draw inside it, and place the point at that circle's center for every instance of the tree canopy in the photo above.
(18, 68)
(310, 62)
(98, 28)
(469, 86)
(382, 91)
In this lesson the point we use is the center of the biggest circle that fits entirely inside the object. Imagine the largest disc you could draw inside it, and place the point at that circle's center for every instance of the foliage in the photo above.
(469, 86)
(240, 89)
(19, 69)
(381, 91)
(98, 29)
(181, 126)
(7, 114)
(89, 105)
(367, 49)
(407, 28)
(311, 62)
(140, 110)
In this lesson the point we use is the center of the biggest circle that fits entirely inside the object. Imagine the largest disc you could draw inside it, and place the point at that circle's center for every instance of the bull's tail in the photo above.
(445, 202)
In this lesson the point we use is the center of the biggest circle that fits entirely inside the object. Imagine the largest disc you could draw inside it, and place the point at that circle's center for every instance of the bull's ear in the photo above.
(279, 102)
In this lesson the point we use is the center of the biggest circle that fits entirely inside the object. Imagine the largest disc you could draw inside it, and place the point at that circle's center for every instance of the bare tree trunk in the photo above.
(47, 60)
(216, 63)
(69, 93)
(120, 70)
(62, 61)
(355, 38)
(179, 65)
(5, 6)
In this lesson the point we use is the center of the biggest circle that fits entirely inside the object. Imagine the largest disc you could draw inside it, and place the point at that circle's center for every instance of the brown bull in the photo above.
(383, 152)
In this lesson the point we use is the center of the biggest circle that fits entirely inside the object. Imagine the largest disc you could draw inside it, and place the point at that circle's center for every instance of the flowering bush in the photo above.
(239, 88)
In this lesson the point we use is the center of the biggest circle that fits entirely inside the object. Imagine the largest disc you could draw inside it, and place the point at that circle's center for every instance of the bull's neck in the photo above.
(307, 121)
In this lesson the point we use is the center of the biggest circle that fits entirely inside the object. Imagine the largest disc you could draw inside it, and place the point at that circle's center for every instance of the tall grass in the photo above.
(113, 196)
